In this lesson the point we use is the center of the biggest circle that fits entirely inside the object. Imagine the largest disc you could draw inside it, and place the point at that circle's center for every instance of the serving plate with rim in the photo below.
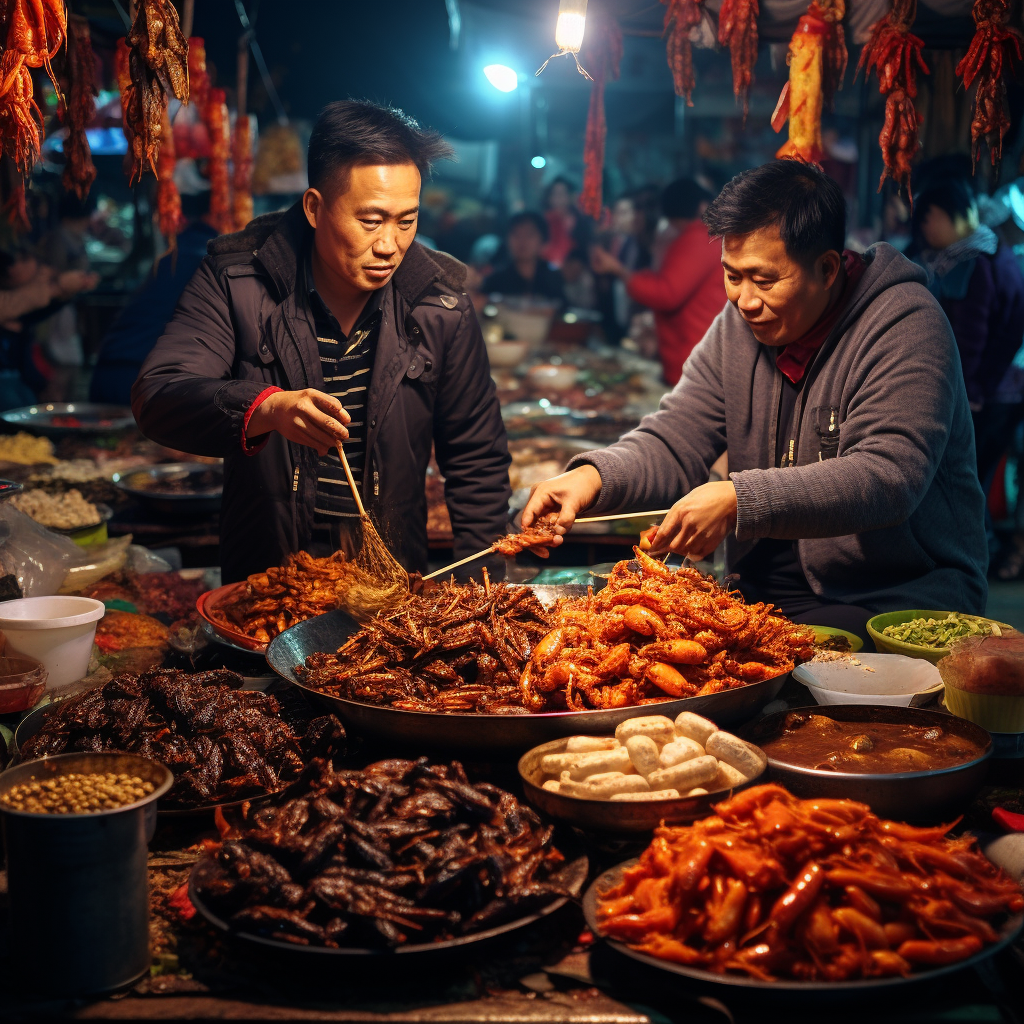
(785, 988)
(59, 418)
(435, 730)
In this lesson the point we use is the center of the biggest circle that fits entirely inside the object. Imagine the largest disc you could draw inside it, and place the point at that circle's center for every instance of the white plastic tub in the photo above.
(891, 679)
(58, 631)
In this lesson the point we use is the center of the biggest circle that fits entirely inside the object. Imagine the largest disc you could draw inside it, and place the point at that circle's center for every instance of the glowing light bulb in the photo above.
(572, 21)
(502, 77)
(539, 162)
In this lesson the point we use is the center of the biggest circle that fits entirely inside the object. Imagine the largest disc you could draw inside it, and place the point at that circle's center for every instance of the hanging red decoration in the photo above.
(219, 130)
(241, 156)
(737, 29)
(994, 45)
(894, 53)
(605, 57)
(681, 17)
(168, 201)
(77, 109)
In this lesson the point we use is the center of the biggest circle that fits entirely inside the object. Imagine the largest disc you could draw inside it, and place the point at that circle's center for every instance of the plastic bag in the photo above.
(985, 664)
(38, 557)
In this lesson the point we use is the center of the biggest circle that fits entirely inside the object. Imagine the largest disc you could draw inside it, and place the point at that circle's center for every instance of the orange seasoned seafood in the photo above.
(540, 534)
(654, 633)
(809, 890)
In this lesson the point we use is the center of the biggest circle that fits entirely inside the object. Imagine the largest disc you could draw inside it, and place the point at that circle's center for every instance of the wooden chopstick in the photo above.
(351, 481)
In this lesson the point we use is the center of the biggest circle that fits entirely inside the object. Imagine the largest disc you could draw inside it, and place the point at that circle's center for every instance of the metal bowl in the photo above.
(57, 419)
(232, 637)
(787, 991)
(606, 815)
(200, 499)
(506, 733)
(926, 796)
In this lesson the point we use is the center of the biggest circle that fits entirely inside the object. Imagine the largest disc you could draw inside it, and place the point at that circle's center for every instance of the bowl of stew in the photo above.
(906, 763)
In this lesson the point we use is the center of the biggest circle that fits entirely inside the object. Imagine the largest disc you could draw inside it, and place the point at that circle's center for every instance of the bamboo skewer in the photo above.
(487, 551)
(351, 481)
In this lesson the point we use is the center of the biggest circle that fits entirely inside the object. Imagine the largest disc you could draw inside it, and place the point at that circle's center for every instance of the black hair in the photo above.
(560, 180)
(804, 203)
(954, 195)
(350, 132)
(528, 217)
(682, 198)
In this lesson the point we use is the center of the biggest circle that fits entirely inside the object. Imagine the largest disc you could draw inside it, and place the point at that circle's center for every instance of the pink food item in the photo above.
(986, 664)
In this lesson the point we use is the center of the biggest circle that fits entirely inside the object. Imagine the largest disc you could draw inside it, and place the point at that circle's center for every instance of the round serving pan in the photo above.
(629, 816)
(740, 985)
(195, 502)
(50, 418)
(508, 733)
(925, 796)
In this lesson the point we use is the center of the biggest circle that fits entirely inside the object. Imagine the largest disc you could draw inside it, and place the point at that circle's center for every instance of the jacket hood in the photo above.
(983, 241)
(886, 267)
(278, 241)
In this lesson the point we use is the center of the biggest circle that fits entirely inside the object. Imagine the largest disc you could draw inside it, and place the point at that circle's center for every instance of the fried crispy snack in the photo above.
(652, 634)
(542, 533)
(812, 890)
(457, 648)
(156, 36)
(78, 108)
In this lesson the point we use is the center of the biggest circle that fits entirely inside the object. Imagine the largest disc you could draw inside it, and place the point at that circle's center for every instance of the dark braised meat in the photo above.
(403, 851)
(220, 742)
(456, 648)
(541, 534)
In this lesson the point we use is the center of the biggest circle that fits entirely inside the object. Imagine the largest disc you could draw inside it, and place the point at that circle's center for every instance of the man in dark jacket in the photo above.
(329, 324)
(834, 382)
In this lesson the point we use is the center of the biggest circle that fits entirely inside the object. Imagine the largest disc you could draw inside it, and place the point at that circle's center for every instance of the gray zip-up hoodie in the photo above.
(884, 499)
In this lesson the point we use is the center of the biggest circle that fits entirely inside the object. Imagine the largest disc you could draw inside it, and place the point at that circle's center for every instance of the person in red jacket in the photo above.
(688, 291)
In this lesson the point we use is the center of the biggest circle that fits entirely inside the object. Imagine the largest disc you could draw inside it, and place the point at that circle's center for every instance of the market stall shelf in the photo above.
(504, 733)
(788, 992)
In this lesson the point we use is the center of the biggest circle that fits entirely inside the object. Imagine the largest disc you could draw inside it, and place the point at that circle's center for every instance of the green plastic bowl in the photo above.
(888, 645)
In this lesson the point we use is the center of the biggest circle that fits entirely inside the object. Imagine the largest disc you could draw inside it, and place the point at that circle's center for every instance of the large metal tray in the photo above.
(53, 418)
(505, 733)
(576, 873)
(199, 500)
(787, 990)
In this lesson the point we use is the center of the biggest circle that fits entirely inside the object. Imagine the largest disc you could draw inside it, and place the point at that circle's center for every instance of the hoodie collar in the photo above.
(983, 241)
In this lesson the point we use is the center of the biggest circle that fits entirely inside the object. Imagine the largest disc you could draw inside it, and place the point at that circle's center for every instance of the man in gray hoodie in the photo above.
(834, 382)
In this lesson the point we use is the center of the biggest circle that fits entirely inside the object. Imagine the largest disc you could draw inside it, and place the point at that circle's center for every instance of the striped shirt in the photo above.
(347, 362)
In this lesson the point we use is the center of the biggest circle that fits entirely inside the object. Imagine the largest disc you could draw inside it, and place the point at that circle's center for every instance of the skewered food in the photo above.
(272, 601)
(215, 115)
(61, 511)
(776, 887)
(653, 758)
(222, 743)
(894, 53)
(652, 634)
(170, 218)
(541, 534)
(737, 29)
(198, 77)
(606, 60)
(681, 17)
(456, 648)
(817, 62)
(994, 44)
(403, 851)
(78, 108)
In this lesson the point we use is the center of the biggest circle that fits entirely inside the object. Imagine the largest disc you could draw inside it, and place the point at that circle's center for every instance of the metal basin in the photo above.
(925, 796)
(196, 498)
(494, 733)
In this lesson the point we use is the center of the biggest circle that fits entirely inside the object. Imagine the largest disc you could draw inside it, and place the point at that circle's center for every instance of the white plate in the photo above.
(891, 679)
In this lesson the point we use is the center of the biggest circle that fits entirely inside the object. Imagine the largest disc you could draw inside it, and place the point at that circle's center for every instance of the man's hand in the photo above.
(698, 523)
(567, 495)
(603, 262)
(306, 417)
(71, 282)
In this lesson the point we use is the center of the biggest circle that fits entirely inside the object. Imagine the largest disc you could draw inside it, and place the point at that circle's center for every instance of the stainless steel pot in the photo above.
(78, 886)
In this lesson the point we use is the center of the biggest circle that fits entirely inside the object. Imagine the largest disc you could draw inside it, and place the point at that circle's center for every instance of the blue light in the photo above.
(502, 77)
(538, 162)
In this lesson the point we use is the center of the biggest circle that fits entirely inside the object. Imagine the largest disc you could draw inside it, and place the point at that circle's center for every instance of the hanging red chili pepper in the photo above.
(681, 17)
(894, 53)
(737, 29)
(994, 44)
(607, 56)
(216, 118)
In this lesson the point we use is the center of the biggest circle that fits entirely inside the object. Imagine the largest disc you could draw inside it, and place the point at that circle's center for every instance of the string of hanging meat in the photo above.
(219, 131)
(894, 54)
(77, 109)
(817, 61)
(168, 202)
(737, 29)
(681, 17)
(995, 45)
(606, 61)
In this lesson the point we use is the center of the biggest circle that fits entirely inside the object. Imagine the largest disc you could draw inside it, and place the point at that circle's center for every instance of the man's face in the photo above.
(780, 298)
(525, 242)
(940, 231)
(363, 230)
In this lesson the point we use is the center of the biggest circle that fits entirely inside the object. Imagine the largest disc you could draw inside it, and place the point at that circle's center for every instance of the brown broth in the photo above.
(816, 741)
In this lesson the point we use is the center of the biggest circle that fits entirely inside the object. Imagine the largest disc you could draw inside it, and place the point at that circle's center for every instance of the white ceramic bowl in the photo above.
(58, 631)
(891, 679)
(558, 378)
(505, 355)
(529, 325)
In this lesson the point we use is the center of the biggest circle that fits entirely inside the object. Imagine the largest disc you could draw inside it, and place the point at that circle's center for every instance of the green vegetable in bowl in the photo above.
(938, 633)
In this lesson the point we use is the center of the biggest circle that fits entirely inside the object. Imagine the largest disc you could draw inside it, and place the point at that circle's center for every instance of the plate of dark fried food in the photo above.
(819, 897)
(495, 665)
(224, 745)
(401, 857)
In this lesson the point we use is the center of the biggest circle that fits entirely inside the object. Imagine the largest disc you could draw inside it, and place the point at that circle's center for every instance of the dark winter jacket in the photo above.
(980, 288)
(242, 326)
(883, 500)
